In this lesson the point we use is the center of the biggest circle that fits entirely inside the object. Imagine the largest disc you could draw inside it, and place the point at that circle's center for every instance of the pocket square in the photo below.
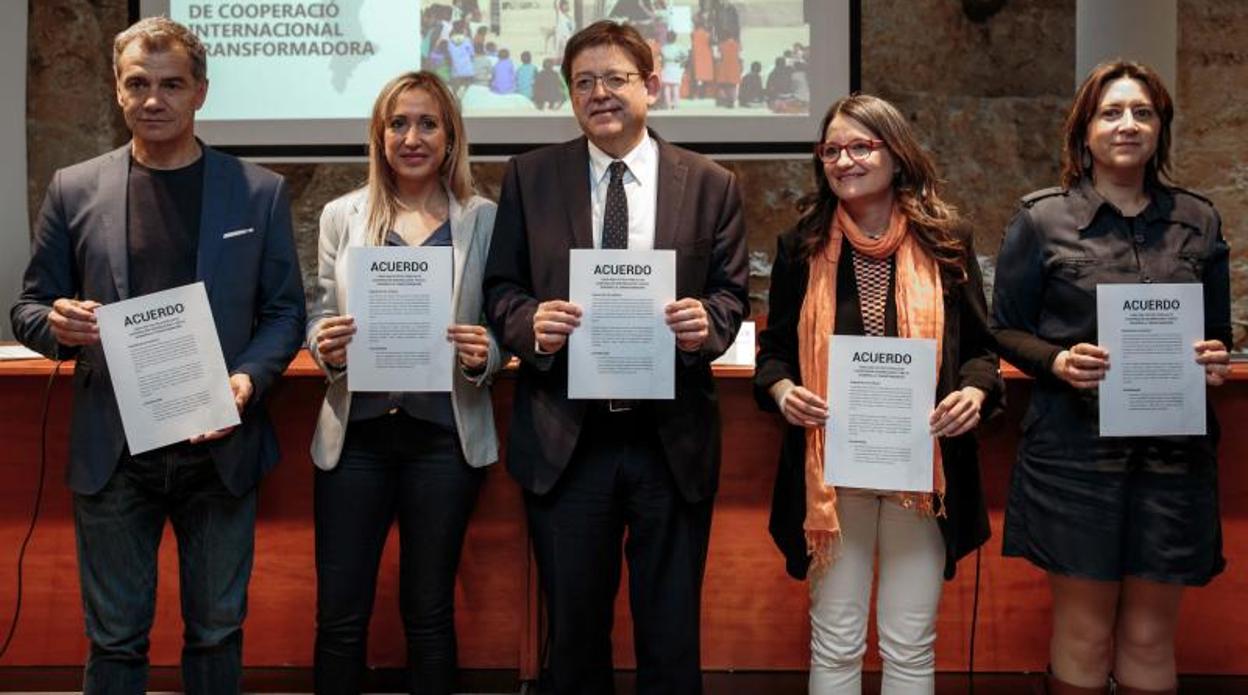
(238, 232)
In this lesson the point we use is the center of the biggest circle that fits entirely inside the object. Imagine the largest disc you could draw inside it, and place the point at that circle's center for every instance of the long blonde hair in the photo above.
(383, 190)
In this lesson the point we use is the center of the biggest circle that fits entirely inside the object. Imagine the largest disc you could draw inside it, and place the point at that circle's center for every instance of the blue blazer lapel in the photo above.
(574, 184)
(212, 219)
(113, 196)
(671, 197)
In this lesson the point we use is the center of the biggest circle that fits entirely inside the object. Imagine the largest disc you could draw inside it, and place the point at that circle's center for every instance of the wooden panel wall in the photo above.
(754, 616)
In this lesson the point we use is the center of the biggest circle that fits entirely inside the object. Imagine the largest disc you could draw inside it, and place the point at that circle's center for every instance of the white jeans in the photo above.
(912, 561)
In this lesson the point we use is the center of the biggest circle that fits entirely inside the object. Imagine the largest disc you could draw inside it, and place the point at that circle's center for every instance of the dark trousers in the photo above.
(118, 533)
(618, 481)
(391, 466)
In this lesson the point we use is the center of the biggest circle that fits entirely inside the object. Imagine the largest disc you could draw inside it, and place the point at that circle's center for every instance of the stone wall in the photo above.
(71, 110)
(1211, 127)
(987, 97)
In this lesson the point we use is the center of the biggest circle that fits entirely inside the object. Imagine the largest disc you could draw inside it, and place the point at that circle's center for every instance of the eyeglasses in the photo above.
(858, 150)
(611, 81)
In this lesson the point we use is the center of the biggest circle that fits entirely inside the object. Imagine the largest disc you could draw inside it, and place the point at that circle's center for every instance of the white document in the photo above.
(400, 297)
(881, 392)
(165, 360)
(623, 347)
(17, 352)
(1154, 387)
(742, 351)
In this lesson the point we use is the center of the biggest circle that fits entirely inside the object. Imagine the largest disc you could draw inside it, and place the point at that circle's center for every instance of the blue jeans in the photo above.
(118, 532)
(393, 466)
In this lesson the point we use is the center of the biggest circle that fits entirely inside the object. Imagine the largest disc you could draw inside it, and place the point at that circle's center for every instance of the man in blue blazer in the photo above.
(160, 212)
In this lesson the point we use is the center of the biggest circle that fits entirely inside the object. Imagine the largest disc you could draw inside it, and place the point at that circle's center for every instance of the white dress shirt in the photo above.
(641, 189)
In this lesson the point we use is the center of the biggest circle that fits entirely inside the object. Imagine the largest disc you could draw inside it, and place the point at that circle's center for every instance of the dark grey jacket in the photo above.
(543, 213)
(247, 261)
(1059, 246)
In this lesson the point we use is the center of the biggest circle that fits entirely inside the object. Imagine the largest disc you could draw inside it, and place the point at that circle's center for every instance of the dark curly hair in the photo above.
(934, 223)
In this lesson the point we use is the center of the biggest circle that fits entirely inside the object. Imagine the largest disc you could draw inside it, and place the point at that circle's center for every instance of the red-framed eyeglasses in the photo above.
(858, 150)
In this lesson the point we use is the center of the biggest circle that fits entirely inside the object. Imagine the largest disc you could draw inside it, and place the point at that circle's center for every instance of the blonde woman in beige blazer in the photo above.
(414, 457)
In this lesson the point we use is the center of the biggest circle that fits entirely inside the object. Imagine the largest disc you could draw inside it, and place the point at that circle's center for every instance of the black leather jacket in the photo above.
(1059, 246)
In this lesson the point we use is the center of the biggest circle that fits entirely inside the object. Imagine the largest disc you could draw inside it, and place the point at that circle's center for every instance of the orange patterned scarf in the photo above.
(920, 314)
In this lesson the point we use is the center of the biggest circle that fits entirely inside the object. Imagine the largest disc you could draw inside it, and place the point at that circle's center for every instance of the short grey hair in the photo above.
(158, 34)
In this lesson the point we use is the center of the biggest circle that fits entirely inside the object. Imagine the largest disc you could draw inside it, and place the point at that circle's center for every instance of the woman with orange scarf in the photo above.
(876, 252)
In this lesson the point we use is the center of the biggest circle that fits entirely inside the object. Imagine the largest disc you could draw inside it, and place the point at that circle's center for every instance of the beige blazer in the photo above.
(343, 225)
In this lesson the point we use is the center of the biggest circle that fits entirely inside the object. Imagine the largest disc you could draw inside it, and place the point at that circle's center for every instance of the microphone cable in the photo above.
(34, 516)
(970, 667)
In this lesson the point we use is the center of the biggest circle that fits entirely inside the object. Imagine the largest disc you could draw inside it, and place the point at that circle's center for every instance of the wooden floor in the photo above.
(299, 680)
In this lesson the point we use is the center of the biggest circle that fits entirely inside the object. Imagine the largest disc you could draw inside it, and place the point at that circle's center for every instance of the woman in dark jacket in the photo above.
(1120, 524)
(906, 270)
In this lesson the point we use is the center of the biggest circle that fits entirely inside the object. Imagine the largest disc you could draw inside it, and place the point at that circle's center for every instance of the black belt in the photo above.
(621, 405)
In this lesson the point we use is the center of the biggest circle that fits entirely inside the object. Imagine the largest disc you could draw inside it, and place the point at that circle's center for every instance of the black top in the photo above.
(751, 91)
(162, 226)
(1060, 245)
(780, 82)
(547, 87)
(968, 358)
(434, 407)
(633, 10)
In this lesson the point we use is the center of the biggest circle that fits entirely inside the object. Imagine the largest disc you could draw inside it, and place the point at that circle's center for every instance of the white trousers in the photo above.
(912, 561)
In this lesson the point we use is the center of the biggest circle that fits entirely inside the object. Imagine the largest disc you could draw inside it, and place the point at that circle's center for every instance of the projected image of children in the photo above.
(713, 57)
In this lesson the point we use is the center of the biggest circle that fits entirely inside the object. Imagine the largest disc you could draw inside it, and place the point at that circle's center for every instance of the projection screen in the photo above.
(298, 77)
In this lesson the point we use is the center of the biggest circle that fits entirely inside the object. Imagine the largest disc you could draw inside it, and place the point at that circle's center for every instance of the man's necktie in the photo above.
(615, 219)
(615, 236)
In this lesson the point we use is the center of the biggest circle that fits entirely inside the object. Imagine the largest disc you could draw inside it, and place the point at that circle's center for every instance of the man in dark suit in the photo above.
(160, 212)
(593, 469)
